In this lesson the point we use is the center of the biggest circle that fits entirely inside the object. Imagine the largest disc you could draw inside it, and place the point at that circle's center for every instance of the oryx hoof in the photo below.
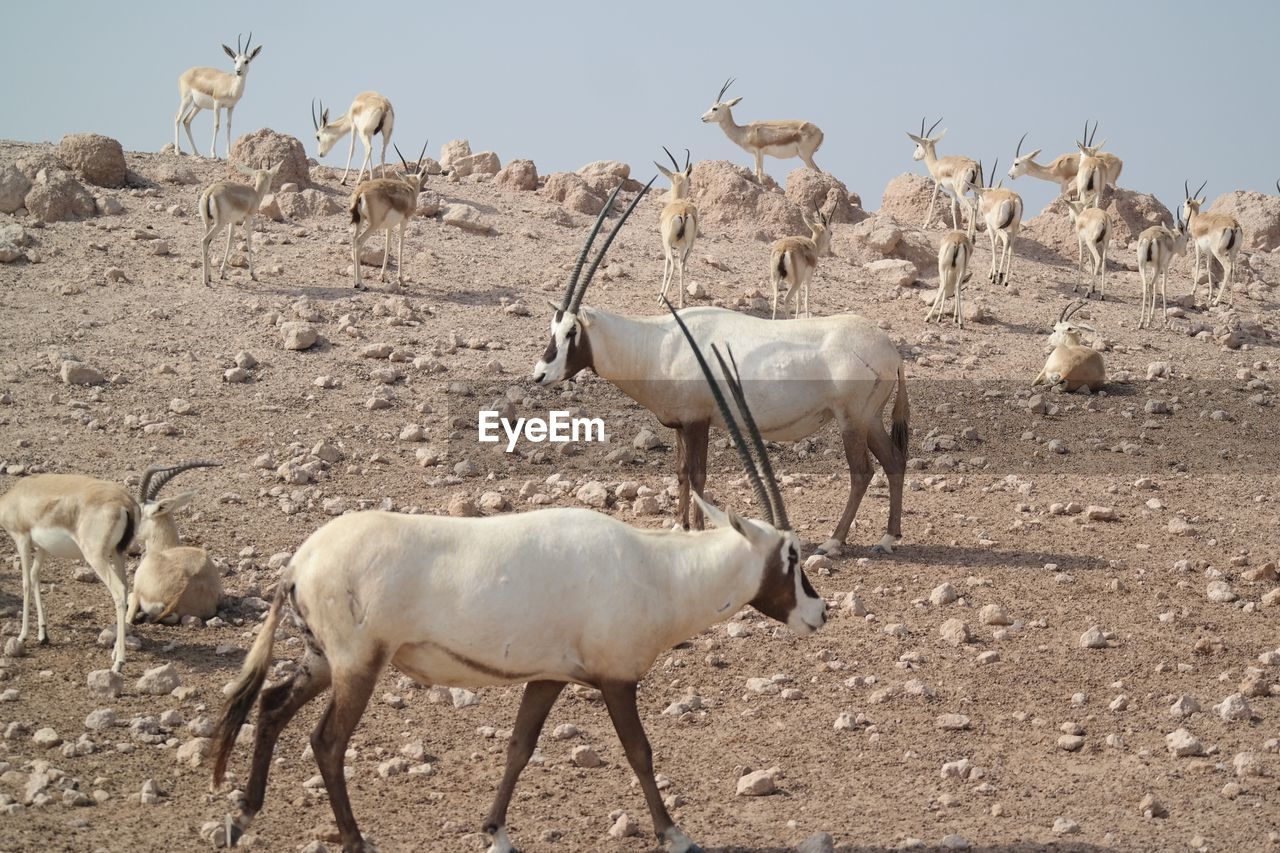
(831, 548)
(44, 640)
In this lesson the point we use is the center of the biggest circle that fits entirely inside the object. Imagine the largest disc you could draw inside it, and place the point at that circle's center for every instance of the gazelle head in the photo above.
(820, 227)
(1193, 200)
(261, 178)
(785, 593)
(568, 352)
(1075, 208)
(1067, 331)
(680, 177)
(1086, 146)
(416, 175)
(1020, 160)
(720, 110)
(926, 145)
(1180, 235)
(326, 134)
(984, 179)
(157, 511)
(242, 56)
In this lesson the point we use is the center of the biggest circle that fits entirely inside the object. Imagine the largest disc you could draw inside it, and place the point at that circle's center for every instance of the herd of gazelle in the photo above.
(479, 602)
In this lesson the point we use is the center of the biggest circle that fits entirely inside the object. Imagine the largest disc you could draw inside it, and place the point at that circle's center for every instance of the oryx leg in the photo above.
(535, 705)
(855, 452)
(894, 462)
(351, 691)
(691, 472)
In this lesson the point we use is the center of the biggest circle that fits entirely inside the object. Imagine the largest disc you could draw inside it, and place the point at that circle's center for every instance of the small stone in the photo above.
(46, 738)
(462, 506)
(1100, 513)
(1149, 807)
(993, 614)
(759, 783)
(159, 680)
(956, 632)
(1234, 709)
(1185, 706)
(299, 336)
(393, 767)
(1220, 592)
(1182, 744)
(1094, 638)
(99, 719)
(952, 722)
(943, 593)
(646, 440)
(585, 756)
(822, 842)
(1065, 826)
(624, 827)
(1071, 743)
(105, 682)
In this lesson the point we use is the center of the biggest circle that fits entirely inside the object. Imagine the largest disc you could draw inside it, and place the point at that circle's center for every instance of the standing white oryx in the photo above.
(1091, 175)
(548, 598)
(369, 115)
(957, 174)
(1157, 247)
(1217, 235)
(779, 139)
(382, 204)
(227, 204)
(794, 260)
(210, 89)
(1001, 210)
(678, 224)
(953, 272)
(800, 375)
(1092, 226)
(1062, 171)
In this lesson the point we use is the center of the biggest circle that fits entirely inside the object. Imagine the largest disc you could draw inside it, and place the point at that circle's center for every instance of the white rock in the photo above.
(585, 756)
(759, 783)
(943, 593)
(1094, 638)
(624, 827)
(159, 680)
(1233, 709)
(956, 632)
(1185, 706)
(46, 738)
(1219, 591)
(105, 682)
(1182, 743)
(1065, 826)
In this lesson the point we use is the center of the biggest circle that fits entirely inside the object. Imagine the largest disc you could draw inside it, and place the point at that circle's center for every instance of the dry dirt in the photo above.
(977, 517)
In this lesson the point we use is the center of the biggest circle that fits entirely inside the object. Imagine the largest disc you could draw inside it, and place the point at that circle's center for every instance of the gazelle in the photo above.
(1062, 171)
(368, 115)
(800, 375)
(678, 224)
(549, 598)
(226, 204)
(1091, 175)
(781, 139)
(1001, 210)
(383, 204)
(1157, 247)
(1071, 362)
(173, 580)
(74, 518)
(1217, 235)
(1093, 231)
(210, 89)
(793, 261)
(953, 271)
(958, 174)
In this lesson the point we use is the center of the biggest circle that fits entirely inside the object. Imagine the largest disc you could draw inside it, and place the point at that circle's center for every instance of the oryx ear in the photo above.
(255, 53)
(733, 102)
(231, 53)
(719, 517)
(164, 506)
(554, 307)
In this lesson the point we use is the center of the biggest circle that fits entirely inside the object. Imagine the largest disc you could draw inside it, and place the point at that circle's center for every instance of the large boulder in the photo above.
(573, 192)
(906, 199)
(97, 159)
(729, 195)
(55, 196)
(518, 175)
(44, 157)
(264, 148)
(453, 151)
(307, 203)
(484, 163)
(13, 189)
(810, 189)
(1259, 215)
(1131, 213)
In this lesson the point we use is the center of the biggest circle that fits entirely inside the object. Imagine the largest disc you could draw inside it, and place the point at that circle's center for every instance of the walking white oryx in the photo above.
(548, 598)
(369, 115)
(210, 89)
(799, 376)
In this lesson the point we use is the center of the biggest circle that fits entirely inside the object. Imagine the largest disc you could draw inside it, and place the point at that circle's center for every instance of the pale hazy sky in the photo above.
(1182, 89)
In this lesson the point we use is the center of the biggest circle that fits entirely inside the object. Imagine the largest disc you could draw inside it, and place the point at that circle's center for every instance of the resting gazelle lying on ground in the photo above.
(549, 598)
(1071, 362)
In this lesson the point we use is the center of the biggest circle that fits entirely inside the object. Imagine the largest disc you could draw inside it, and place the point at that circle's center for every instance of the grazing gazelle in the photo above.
(800, 376)
(1157, 247)
(953, 271)
(369, 115)
(549, 598)
(1092, 227)
(678, 224)
(382, 204)
(1062, 171)
(210, 89)
(793, 261)
(1217, 235)
(958, 174)
(1001, 210)
(225, 204)
(781, 139)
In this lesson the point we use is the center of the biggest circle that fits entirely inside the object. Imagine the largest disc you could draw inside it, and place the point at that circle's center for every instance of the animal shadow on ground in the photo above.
(1028, 847)
(959, 555)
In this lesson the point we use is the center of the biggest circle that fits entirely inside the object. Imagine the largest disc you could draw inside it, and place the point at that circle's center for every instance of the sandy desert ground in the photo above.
(1057, 746)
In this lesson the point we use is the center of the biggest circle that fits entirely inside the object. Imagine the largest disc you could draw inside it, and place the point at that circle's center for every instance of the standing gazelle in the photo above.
(779, 139)
(369, 115)
(1062, 171)
(678, 224)
(1001, 210)
(1093, 231)
(1091, 174)
(1217, 235)
(1157, 247)
(958, 174)
(382, 204)
(953, 271)
(227, 204)
(210, 89)
(794, 260)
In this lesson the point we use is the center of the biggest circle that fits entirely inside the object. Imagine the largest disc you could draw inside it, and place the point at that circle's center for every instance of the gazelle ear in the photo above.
(324, 116)
(733, 102)
(918, 140)
(231, 53)
(242, 169)
(1034, 154)
(255, 53)
(666, 173)
(164, 506)
(938, 138)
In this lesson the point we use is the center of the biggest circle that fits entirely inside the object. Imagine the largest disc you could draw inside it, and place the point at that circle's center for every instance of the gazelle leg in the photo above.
(959, 287)
(357, 240)
(933, 199)
(995, 267)
(25, 554)
(679, 262)
(1102, 266)
(1142, 275)
(217, 123)
(230, 110)
(808, 161)
(351, 152)
(204, 251)
(351, 691)
(384, 158)
(222, 270)
(760, 166)
(399, 249)
(775, 297)
(1164, 298)
(668, 268)
(535, 705)
(183, 105)
(186, 123)
(110, 569)
(1195, 276)
(386, 254)
(367, 141)
(248, 246)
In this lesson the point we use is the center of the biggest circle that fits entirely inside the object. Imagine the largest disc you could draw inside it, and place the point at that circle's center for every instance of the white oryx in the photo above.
(799, 376)
(1217, 235)
(369, 115)
(548, 598)
(781, 139)
(210, 89)
(957, 174)
(1157, 247)
(1001, 210)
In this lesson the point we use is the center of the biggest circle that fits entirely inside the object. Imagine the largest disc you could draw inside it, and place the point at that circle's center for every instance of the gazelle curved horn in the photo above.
(239, 50)
(995, 168)
(422, 154)
(248, 43)
(314, 119)
(935, 124)
(1202, 186)
(1186, 190)
(686, 163)
(779, 510)
(923, 119)
(155, 477)
(586, 247)
(401, 156)
(1278, 186)
(1018, 153)
(730, 423)
(604, 248)
(725, 88)
(672, 158)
